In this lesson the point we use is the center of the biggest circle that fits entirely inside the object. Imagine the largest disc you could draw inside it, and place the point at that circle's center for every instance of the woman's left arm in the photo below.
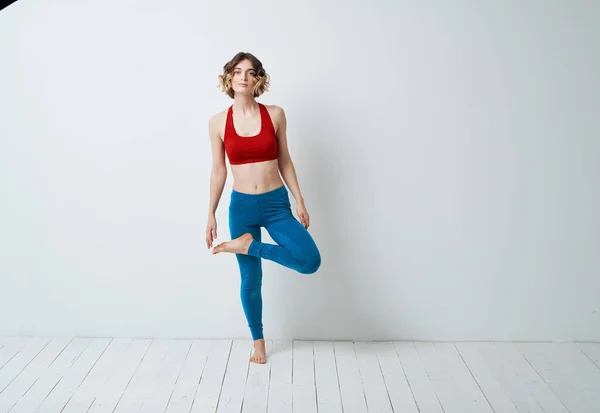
(286, 166)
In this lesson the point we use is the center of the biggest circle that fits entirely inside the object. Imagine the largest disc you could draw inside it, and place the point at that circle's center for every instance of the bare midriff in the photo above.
(256, 177)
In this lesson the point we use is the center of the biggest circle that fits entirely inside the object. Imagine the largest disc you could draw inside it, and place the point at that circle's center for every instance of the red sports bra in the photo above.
(247, 149)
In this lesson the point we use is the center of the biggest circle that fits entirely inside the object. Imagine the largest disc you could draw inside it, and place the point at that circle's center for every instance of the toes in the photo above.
(258, 359)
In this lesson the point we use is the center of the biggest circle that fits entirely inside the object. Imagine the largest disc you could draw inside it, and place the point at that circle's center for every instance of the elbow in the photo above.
(218, 174)
(219, 171)
(284, 163)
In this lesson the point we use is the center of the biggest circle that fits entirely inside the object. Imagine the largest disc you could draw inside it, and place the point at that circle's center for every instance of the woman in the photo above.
(253, 137)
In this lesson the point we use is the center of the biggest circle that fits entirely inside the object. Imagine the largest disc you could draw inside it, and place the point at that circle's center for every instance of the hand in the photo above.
(211, 231)
(303, 214)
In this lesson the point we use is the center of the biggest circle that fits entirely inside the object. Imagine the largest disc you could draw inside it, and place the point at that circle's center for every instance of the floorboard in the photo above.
(120, 375)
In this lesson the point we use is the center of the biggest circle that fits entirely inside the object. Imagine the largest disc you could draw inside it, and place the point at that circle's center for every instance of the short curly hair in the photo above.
(262, 84)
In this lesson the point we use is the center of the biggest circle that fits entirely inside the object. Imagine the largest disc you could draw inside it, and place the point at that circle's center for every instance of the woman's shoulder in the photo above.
(272, 107)
(218, 117)
(275, 111)
(216, 123)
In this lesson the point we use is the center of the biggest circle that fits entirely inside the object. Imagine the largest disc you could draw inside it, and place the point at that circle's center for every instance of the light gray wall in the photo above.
(448, 155)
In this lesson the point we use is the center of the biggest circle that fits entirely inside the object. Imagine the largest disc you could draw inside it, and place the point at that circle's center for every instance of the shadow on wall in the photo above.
(330, 304)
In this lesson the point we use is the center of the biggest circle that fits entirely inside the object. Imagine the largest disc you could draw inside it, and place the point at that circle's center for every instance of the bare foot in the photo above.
(260, 355)
(239, 245)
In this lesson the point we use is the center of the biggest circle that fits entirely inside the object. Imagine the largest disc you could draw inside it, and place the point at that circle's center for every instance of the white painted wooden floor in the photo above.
(80, 375)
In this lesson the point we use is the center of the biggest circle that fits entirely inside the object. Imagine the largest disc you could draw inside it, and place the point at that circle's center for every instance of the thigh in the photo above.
(250, 267)
(238, 227)
(291, 234)
(241, 220)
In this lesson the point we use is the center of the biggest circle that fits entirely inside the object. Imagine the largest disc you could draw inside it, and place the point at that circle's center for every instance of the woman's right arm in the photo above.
(218, 176)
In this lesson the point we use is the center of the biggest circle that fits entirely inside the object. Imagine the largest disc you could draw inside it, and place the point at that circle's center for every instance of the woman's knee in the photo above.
(311, 263)
(251, 276)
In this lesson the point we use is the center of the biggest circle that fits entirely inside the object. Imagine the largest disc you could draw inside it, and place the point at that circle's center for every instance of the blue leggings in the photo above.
(295, 247)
